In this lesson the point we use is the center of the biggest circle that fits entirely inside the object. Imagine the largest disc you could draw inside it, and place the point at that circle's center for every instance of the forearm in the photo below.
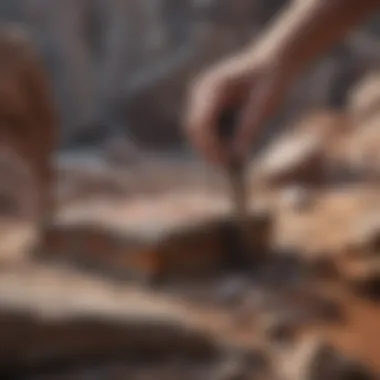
(308, 28)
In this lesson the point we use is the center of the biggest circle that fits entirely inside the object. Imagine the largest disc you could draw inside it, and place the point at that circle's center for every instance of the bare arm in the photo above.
(256, 81)
(307, 28)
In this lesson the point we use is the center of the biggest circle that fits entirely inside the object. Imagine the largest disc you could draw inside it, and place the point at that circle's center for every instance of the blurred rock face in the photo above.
(28, 124)
(97, 50)
(16, 177)
(18, 207)
(181, 310)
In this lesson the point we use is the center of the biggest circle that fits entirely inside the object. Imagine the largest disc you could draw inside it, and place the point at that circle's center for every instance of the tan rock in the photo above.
(160, 249)
(55, 316)
(366, 234)
(299, 156)
(364, 98)
(314, 359)
(294, 158)
(361, 149)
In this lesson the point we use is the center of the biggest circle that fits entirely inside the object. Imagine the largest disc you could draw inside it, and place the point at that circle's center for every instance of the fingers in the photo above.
(205, 107)
(210, 98)
(260, 105)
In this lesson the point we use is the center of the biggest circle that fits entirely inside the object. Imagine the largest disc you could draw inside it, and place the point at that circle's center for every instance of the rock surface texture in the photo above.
(136, 274)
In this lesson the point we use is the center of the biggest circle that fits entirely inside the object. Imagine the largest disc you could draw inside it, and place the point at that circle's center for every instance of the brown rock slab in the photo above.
(313, 359)
(328, 363)
(364, 98)
(17, 236)
(243, 366)
(298, 198)
(175, 235)
(362, 275)
(366, 235)
(328, 228)
(82, 175)
(360, 149)
(52, 316)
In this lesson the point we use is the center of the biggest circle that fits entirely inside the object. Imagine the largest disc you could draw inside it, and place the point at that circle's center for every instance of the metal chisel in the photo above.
(235, 171)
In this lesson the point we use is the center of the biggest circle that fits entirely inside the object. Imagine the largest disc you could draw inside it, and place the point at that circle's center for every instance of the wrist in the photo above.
(274, 60)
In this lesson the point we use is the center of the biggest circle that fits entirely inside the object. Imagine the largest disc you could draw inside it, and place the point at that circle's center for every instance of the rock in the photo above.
(305, 306)
(293, 363)
(98, 249)
(15, 201)
(84, 174)
(361, 150)
(366, 235)
(364, 98)
(89, 176)
(232, 291)
(323, 267)
(260, 224)
(328, 123)
(284, 268)
(17, 237)
(329, 364)
(287, 324)
(245, 252)
(232, 369)
(313, 359)
(191, 251)
(123, 151)
(305, 155)
(296, 198)
(70, 318)
(330, 311)
(363, 276)
(294, 158)
(281, 329)
(151, 237)
(208, 247)
(241, 364)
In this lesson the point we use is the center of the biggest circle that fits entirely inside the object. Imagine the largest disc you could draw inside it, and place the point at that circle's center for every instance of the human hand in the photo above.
(251, 84)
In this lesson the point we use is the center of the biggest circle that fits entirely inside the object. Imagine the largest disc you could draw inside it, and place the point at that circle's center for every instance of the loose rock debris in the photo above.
(187, 324)
(125, 284)
(141, 287)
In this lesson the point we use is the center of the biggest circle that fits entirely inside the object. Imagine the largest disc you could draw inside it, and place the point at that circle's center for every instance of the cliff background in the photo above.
(121, 67)
(132, 278)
